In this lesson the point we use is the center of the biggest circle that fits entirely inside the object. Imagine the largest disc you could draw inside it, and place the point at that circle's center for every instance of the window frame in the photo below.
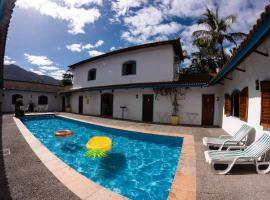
(265, 104)
(92, 74)
(40, 101)
(133, 69)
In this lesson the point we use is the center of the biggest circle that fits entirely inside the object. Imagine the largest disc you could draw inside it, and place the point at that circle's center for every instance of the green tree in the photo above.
(211, 40)
(67, 78)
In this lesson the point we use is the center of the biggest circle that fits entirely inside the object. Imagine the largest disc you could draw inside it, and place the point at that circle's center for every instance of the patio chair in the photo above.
(240, 138)
(26, 108)
(255, 154)
(45, 108)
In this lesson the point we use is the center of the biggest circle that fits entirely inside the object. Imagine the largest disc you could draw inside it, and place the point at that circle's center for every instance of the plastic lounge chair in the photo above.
(238, 139)
(253, 154)
(45, 108)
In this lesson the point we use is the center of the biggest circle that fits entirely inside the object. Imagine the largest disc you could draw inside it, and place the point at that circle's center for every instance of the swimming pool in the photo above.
(139, 166)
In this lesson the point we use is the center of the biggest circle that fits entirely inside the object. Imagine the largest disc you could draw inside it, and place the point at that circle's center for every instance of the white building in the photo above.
(40, 95)
(129, 78)
(124, 83)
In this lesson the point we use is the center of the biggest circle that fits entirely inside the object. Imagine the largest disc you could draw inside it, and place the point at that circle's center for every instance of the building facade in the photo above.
(37, 94)
(129, 84)
(238, 94)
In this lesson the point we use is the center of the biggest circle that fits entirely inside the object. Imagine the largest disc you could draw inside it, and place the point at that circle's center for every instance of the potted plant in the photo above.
(18, 104)
(175, 117)
(68, 108)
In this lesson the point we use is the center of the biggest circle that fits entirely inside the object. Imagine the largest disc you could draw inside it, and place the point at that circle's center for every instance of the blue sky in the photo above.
(45, 36)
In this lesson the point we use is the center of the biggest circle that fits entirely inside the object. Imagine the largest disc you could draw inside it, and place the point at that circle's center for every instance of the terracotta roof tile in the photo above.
(28, 86)
(263, 15)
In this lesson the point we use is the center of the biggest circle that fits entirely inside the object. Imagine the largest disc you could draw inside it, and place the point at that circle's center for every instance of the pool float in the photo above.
(63, 133)
(98, 146)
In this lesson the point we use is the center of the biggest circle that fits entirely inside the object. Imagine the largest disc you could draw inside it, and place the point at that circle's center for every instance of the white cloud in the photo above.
(147, 25)
(48, 68)
(8, 60)
(38, 60)
(164, 19)
(187, 8)
(74, 47)
(79, 3)
(94, 53)
(121, 7)
(57, 74)
(73, 12)
(39, 72)
(112, 48)
(44, 66)
(80, 47)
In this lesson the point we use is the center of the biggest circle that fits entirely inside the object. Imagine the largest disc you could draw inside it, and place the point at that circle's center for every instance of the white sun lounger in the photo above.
(238, 139)
(253, 154)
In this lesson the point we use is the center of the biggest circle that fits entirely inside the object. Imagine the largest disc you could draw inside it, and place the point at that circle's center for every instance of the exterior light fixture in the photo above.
(257, 83)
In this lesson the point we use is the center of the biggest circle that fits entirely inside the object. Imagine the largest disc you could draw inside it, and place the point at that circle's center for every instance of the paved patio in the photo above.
(22, 174)
(21, 179)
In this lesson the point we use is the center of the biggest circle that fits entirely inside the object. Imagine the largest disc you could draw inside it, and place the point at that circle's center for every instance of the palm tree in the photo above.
(216, 34)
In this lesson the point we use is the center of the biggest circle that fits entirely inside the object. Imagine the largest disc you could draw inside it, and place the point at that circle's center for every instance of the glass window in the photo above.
(42, 100)
(129, 68)
(92, 74)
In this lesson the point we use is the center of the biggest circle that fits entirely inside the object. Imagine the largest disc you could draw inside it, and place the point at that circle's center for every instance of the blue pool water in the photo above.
(139, 166)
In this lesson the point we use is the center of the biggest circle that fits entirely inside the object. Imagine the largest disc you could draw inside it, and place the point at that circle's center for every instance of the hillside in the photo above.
(14, 72)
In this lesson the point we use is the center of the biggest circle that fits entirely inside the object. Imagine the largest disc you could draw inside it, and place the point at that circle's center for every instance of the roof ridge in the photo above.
(175, 42)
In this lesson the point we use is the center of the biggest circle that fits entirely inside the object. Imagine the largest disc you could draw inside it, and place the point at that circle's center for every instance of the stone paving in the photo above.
(22, 174)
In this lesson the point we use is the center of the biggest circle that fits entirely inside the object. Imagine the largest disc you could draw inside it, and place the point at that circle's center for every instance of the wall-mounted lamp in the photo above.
(100, 91)
(112, 91)
(137, 96)
(217, 98)
(257, 83)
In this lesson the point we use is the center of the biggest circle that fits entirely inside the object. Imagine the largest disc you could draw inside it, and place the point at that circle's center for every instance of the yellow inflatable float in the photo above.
(97, 146)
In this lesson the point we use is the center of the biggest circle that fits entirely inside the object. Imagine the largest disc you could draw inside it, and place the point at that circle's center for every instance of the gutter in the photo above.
(136, 86)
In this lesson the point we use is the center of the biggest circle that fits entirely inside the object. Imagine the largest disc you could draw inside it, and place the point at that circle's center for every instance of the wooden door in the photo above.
(107, 105)
(80, 104)
(208, 108)
(63, 104)
(147, 111)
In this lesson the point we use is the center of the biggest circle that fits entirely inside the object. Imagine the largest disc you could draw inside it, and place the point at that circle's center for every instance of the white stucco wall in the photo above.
(54, 101)
(191, 102)
(257, 68)
(153, 65)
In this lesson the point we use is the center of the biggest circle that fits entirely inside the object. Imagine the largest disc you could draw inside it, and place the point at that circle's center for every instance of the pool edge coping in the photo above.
(80, 185)
(183, 185)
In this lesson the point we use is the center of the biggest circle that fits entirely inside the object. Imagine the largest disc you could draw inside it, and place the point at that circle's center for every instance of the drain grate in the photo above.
(5, 152)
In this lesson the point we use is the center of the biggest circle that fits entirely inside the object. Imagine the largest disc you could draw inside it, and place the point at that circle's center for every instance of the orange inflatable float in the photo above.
(63, 133)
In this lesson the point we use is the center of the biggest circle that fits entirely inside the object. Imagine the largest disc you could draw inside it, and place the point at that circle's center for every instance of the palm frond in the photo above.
(229, 20)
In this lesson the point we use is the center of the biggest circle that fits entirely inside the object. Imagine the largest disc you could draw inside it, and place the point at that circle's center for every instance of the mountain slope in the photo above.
(14, 72)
